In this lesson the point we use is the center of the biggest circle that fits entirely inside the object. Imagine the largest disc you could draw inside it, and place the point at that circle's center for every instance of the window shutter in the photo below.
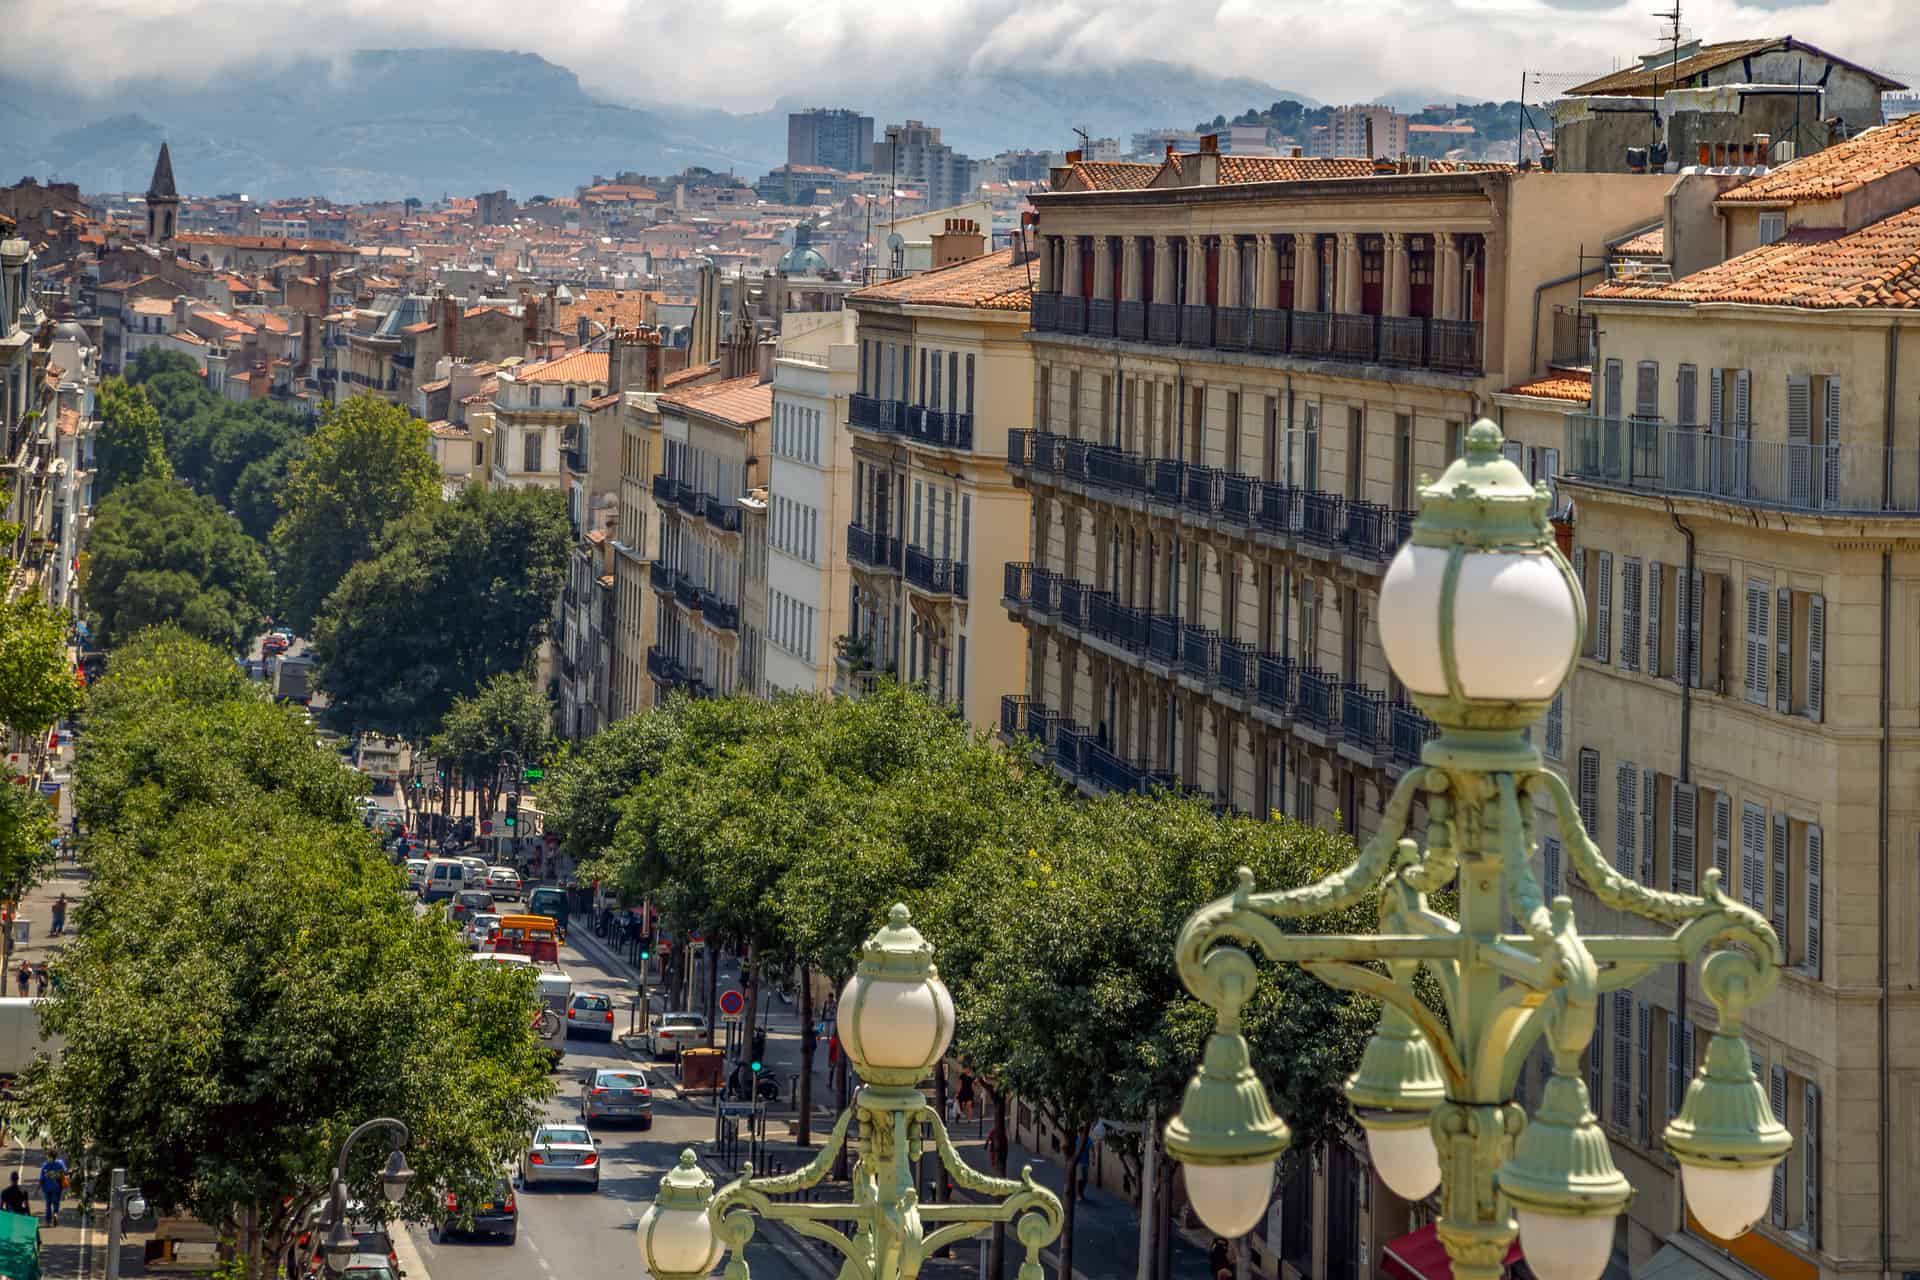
(1630, 614)
(1783, 650)
(1697, 606)
(1646, 392)
(1649, 815)
(1716, 402)
(1799, 437)
(1742, 403)
(1676, 1073)
(1723, 839)
(1594, 1051)
(1622, 1079)
(1753, 856)
(1685, 803)
(1810, 1162)
(1759, 642)
(1685, 413)
(1603, 608)
(1831, 440)
(1613, 371)
(1816, 657)
(1777, 1095)
(1625, 829)
(1643, 1111)
(1550, 865)
(1556, 724)
(1654, 570)
(1778, 914)
(1590, 789)
(1816, 855)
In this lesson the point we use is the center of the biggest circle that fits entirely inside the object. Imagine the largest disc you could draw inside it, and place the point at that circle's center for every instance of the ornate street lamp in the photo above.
(896, 1021)
(1482, 619)
(341, 1242)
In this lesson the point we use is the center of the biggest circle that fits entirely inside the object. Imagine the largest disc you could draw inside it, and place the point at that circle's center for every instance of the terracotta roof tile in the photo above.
(1559, 384)
(602, 402)
(1876, 266)
(1112, 175)
(1651, 243)
(1238, 169)
(991, 282)
(574, 366)
(438, 384)
(1634, 81)
(741, 401)
(692, 374)
(1843, 167)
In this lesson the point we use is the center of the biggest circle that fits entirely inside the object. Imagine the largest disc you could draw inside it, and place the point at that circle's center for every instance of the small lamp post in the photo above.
(896, 1021)
(1482, 619)
(341, 1243)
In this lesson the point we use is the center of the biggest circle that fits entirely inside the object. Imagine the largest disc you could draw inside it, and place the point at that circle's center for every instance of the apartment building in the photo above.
(811, 479)
(942, 376)
(536, 412)
(714, 440)
(1747, 483)
(1242, 367)
(635, 547)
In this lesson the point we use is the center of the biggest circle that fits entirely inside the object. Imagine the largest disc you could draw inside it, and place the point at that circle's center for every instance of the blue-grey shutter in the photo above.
(1625, 828)
(1684, 805)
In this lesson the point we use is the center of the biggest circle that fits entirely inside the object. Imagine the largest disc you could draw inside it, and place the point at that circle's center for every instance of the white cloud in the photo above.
(745, 54)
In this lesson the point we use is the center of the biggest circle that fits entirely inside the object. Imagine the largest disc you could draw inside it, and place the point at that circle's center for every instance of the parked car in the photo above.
(671, 1032)
(497, 1215)
(616, 1095)
(468, 903)
(560, 1153)
(476, 869)
(480, 928)
(590, 1014)
(504, 882)
(416, 872)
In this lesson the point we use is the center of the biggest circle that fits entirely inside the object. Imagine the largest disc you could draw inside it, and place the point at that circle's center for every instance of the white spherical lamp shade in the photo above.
(895, 1025)
(1727, 1199)
(1230, 1198)
(1565, 1247)
(1516, 623)
(1404, 1154)
(678, 1242)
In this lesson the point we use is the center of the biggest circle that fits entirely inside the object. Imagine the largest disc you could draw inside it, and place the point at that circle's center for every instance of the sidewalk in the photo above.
(1106, 1227)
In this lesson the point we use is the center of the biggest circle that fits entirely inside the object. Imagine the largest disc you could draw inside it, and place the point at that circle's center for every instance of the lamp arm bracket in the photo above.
(1528, 904)
(1608, 885)
(1620, 976)
(806, 1176)
(1370, 982)
(971, 1179)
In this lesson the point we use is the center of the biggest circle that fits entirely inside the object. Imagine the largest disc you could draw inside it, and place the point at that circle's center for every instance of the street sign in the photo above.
(731, 1003)
(49, 788)
(486, 826)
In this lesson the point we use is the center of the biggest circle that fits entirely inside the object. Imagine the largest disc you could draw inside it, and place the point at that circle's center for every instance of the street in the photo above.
(567, 1233)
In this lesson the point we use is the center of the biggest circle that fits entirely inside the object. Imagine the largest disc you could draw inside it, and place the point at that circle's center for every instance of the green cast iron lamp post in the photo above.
(896, 1021)
(1482, 620)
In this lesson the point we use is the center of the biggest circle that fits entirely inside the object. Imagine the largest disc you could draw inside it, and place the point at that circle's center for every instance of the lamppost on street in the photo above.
(1482, 620)
(341, 1243)
(896, 1021)
(123, 1203)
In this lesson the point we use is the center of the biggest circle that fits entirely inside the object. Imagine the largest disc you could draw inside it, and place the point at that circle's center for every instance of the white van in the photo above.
(445, 877)
(556, 993)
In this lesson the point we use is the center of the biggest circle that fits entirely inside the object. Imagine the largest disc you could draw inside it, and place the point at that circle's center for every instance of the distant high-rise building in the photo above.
(1367, 132)
(831, 136)
(913, 152)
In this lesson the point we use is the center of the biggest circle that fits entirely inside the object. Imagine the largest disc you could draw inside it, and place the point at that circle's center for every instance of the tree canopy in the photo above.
(129, 444)
(367, 466)
(159, 553)
(509, 717)
(459, 592)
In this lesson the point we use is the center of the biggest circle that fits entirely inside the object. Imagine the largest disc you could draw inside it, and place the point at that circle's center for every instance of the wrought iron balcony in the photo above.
(871, 413)
(724, 516)
(1453, 346)
(1042, 589)
(1132, 321)
(1237, 670)
(1040, 723)
(873, 549)
(1116, 469)
(1013, 714)
(1109, 772)
(1100, 317)
(1237, 496)
(1231, 328)
(1355, 337)
(1168, 479)
(1403, 341)
(1375, 531)
(688, 498)
(1073, 313)
(1363, 717)
(1312, 334)
(1163, 638)
(660, 577)
(1322, 517)
(1268, 331)
(1074, 600)
(1200, 652)
(1070, 742)
(1313, 702)
(663, 488)
(685, 592)
(1196, 325)
(718, 613)
(1200, 488)
(663, 668)
(1411, 731)
(938, 427)
(936, 576)
(1163, 323)
(1019, 447)
(1275, 687)
(1118, 624)
(1014, 588)
(1046, 311)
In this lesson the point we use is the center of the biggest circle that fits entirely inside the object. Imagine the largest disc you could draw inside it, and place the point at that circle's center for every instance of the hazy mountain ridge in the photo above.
(393, 122)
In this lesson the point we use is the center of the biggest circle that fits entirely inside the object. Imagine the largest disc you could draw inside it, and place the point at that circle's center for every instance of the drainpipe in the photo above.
(1685, 662)
(1572, 277)
(1886, 775)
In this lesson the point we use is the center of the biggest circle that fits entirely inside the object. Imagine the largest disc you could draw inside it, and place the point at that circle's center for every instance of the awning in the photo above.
(1419, 1255)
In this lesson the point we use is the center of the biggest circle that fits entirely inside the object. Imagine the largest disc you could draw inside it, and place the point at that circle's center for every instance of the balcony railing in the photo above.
(1411, 731)
(1403, 341)
(1237, 670)
(1132, 321)
(663, 668)
(1070, 742)
(688, 498)
(724, 516)
(1074, 599)
(1200, 652)
(1040, 723)
(1163, 323)
(1013, 714)
(1073, 313)
(1200, 488)
(1042, 585)
(1100, 317)
(1363, 717)
(663, 488)
(1355, 337)
(1313, 702)
(1322, 517)
(1268, 331)
(1312, 334)
(1117, 623)
(936, 576)
(1230, 328)
(1651, 456)
(1237, 495)
(938, 427)
(1046, 311)
(1375, 531)
(719, 613)
(1196, 325)
(1014, 587)
(1167, 479)
(874, 414)
(875, 550)
(1275, 681)
(1109, 772)
(685, 592)
(661, 577)
(1163, 638)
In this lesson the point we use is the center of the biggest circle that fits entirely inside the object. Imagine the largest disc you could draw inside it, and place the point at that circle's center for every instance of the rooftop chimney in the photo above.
(960, 241)
(1209, 144)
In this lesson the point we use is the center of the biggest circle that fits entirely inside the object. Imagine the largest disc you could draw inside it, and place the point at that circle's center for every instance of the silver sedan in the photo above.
(561, 1153)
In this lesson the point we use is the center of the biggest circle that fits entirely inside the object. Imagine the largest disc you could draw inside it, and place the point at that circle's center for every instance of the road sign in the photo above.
(731, 1003)
(486, 826)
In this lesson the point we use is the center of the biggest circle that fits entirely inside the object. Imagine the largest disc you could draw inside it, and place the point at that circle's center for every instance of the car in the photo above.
(616, 1094)
(480, 928)
(476, 869)
(504, 882)
(561, 1153)
(468, 903)
(590, 1014)
(497, 1215)
(672, 1032)
(416, 872)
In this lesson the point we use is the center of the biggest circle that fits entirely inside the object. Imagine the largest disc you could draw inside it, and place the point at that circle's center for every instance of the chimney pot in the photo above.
(1210, 143)
(1706, 155)
(1296, 153)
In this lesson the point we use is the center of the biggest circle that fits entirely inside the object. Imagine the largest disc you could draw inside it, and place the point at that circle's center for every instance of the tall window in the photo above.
(532, 442)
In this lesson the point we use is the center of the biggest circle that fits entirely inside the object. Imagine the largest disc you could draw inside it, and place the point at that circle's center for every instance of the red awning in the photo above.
(1419, 1255)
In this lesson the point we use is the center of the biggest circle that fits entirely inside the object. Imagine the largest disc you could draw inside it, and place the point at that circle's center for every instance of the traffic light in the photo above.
(532, 775)
(756, 1067)
(513, 810)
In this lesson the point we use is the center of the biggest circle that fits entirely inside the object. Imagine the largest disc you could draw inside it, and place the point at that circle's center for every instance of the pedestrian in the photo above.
(24, 976)
(833, 1052)
(53, 1183)
(60, 914)
(14, 1198)
(964, 1094)
(40, 978)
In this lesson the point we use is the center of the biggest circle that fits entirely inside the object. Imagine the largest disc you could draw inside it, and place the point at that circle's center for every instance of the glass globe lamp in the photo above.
(677, 1241)
(1727, 1141)
(896, 1017)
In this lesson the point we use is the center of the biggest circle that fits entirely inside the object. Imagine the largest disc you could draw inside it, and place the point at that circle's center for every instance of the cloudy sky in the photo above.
(744, 54)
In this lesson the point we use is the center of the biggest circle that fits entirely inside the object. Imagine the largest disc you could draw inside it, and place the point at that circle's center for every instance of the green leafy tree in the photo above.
(151, 362)
(158, 553)
(583, 789)
(366, 467)
(460, 592)
(509, 716)
(37, 683)
(257, 490)
(129, 444)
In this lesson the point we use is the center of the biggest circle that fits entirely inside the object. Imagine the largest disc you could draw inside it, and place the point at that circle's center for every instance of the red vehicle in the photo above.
(535, 937)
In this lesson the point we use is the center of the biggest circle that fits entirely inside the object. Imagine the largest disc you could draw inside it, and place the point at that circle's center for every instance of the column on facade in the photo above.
(1347, 297)
(1070, 267)
(1230, 272)
(1103, 267)
(1196, 270)
(1163, 268)
(1306, 272)
(1446, 275)
(1130, 268)
(1399, 275)
(1265, 273)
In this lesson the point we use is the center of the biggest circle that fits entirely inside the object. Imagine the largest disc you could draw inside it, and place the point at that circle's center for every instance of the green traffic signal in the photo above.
(756, 1068)
(532, 775)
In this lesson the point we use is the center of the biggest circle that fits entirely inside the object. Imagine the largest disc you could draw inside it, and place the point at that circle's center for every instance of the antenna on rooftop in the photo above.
(1670, 28)
(1086, 144)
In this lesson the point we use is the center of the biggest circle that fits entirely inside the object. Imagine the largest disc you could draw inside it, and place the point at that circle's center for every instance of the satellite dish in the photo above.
(896, 241)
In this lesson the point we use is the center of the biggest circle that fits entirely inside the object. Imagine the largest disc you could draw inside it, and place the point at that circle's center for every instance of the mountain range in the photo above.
(385, 123)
